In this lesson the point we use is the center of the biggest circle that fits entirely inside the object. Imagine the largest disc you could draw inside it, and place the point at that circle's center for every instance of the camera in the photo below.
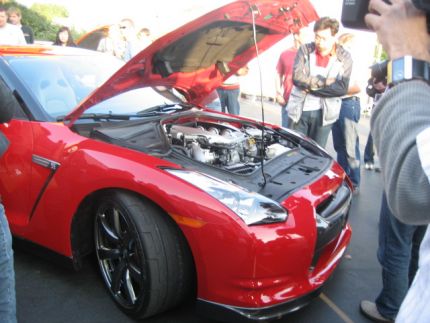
(353, 12)
(378, 75)
(379, 72)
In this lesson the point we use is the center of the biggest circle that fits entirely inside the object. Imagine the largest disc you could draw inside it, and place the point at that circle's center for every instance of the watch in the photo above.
(407, 68)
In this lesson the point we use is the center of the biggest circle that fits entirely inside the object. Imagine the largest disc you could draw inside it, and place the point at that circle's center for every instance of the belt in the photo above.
(230, 86)
(354, 98)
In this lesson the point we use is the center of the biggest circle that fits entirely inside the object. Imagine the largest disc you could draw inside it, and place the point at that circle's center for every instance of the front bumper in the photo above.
(264, 272)
(226, 313)
(318, 276)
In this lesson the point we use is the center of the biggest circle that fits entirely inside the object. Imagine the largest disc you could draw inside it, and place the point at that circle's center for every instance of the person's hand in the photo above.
(242, 71)
(280, 99)
(329, 81)
(401, 28)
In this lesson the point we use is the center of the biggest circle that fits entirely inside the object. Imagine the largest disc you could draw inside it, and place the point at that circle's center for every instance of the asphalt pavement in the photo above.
(49, 293)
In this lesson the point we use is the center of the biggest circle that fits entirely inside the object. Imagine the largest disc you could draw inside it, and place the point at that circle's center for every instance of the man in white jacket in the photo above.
(321, 74)
(9, 34)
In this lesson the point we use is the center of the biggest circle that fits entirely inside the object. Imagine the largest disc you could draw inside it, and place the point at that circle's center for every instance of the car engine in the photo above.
(225, 145)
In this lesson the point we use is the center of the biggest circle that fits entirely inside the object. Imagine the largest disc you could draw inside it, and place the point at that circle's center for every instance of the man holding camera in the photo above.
(398, 243)
(401, 128)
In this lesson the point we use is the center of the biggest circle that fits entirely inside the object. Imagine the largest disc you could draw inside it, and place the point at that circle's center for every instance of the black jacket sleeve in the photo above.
(28, 34)
(316, 85)
(301, 70)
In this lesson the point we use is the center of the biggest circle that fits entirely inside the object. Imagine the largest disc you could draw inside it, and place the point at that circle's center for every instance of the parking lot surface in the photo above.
(48, 293)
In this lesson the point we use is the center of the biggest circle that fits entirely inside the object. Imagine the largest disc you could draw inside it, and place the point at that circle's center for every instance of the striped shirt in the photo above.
(415, 307)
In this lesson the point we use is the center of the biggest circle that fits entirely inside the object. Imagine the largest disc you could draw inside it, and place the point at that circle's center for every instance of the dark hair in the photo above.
(327, 23)
(3, 9)
(70, 41)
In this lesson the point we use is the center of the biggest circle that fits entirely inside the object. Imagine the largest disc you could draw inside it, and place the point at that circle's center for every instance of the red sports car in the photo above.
(174, 199)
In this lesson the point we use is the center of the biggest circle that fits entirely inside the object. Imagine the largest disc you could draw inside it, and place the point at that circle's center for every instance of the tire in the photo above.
(142, 255)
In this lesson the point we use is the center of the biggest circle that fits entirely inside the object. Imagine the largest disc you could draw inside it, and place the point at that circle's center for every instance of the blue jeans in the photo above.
(310, 124)
(398, 255)
(369, 151)
(214, 105)
(284, 116)
(229, 100)
(7, 275)
(346, 140)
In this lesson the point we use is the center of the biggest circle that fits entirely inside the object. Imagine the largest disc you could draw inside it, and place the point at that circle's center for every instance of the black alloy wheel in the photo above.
(142, 255)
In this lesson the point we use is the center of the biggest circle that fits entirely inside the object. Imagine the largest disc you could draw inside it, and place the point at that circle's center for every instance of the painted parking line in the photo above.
(336, 309)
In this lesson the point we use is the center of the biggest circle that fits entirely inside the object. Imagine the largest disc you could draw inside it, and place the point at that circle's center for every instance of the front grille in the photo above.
(332, 215)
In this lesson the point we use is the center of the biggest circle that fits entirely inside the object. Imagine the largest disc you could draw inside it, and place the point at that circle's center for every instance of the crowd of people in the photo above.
(121, 40)
(321, 93)
(318, 92)
(318, 89)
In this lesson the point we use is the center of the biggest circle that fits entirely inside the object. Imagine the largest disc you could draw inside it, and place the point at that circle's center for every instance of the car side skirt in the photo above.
(40, 251)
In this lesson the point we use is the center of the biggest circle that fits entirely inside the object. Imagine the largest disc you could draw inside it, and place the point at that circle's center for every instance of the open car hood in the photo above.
(198, 56)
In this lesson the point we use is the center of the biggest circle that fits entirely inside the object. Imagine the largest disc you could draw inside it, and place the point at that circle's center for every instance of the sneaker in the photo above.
(356, 190)
(368, 166)
(370, 310)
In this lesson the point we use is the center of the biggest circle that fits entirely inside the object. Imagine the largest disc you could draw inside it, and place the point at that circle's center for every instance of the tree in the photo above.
(50, 11)
(379, 54)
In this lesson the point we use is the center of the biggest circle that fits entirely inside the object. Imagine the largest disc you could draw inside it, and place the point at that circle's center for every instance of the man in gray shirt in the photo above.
(401, 128)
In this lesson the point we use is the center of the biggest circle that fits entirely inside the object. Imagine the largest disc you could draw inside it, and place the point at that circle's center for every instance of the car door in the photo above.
(24, 172)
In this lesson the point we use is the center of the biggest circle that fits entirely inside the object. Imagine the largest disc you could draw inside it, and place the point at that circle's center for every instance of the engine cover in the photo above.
(225, 145)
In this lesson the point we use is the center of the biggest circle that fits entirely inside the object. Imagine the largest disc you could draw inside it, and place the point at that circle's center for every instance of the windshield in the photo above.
(132, 102)
(59, 83)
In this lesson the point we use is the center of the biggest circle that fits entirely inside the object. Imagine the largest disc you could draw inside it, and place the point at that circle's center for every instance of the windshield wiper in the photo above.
(104, 116)
(163, 109)
(153, 111)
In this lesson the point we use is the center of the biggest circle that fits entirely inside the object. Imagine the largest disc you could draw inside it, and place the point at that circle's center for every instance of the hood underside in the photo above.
(197, 57)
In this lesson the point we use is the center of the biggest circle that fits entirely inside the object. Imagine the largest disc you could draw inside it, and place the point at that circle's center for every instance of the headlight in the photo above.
(251, 207)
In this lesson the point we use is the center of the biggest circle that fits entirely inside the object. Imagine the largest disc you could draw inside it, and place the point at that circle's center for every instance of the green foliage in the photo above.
(379, 54)
(384, 56)
(41, 21)
(50, 11)
(76, 34)
(43, 29)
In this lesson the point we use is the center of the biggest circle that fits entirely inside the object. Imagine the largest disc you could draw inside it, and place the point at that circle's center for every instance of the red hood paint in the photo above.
(198, 56)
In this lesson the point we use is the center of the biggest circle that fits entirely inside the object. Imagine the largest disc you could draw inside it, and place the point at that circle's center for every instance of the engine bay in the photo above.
(235, 147)
(225, 147)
